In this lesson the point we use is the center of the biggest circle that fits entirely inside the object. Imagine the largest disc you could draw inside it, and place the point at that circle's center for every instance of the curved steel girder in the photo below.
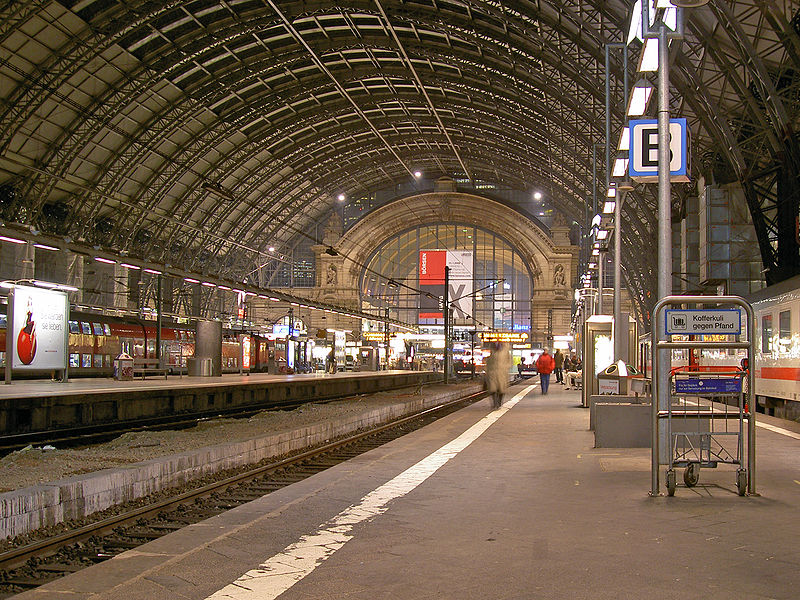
(527, 151)
(149, 129)
(320, 161)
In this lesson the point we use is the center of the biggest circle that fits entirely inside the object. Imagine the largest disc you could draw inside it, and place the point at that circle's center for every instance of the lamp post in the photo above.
(661, 392)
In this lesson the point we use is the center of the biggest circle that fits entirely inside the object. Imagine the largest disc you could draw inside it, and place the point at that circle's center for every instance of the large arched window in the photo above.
(501, 281)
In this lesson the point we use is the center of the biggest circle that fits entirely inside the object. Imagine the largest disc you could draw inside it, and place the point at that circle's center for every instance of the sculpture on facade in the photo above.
(559, 279)
(332, 275)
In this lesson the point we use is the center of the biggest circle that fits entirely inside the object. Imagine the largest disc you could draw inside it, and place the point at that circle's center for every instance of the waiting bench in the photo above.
(148, 366)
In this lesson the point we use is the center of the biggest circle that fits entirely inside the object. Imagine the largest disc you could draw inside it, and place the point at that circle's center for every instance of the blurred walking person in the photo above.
(498, 365)
(545, 365)
(559, 361)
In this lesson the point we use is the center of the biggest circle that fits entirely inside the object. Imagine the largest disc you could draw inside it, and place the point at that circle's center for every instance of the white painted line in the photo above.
(282, 571)
(780, 430)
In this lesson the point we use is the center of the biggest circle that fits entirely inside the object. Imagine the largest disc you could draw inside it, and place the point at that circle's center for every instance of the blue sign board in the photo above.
(715, 385)
(643, 162)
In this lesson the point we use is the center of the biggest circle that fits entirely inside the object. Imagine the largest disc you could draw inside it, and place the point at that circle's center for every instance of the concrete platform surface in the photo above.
(509, 504)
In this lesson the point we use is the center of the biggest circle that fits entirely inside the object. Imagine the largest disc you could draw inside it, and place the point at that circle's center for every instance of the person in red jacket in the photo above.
(545, 365)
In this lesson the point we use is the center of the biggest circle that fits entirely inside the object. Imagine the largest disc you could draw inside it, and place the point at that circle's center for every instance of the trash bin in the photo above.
(199, 367)
(123, 367)
(615, 378)
(206, 369)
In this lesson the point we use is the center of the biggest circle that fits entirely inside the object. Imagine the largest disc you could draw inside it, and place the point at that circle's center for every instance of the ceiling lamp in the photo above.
(640, 97)
(688, 3)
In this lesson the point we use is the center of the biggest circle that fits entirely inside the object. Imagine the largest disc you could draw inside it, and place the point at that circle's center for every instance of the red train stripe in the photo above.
(785, 373)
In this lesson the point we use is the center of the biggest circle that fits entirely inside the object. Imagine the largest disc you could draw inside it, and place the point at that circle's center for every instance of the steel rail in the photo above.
(19, 556)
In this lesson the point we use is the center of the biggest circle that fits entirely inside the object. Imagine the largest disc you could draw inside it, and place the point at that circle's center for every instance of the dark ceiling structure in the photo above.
(202, 133)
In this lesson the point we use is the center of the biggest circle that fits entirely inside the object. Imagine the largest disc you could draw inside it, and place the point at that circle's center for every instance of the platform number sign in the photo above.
(643, 163)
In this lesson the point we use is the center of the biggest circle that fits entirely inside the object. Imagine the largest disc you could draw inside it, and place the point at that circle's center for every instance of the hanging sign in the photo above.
(643, 163)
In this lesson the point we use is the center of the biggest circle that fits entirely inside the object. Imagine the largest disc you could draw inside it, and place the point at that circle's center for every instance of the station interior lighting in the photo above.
(597, 220)
(12, 240)
(648, 61)
(537, 195)
(45, 247)
(417, 174)
(596, 252)
(625, 140)
(612, 192)
(609, 206)
(640, 97)
(107, 261)
(602, 234)
(620, 167)
(341, 197)
(130, 266)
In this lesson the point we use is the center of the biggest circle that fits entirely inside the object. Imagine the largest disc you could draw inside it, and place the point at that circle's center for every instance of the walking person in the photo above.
(558, 358)
(545, 365)
(498, 365)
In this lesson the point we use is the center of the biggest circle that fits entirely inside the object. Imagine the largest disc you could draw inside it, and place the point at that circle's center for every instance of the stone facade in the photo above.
(549, 256)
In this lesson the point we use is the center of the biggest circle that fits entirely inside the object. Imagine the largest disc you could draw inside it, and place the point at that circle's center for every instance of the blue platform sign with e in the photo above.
(699, 322)
(698, 385)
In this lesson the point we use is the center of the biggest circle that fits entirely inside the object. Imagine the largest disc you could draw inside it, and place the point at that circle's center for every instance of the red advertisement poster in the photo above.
(431, 282)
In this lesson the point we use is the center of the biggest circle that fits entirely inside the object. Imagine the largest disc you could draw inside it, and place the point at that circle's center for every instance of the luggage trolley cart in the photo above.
(700, 416)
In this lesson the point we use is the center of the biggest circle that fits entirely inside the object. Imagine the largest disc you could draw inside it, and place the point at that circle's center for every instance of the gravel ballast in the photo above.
(43, 487)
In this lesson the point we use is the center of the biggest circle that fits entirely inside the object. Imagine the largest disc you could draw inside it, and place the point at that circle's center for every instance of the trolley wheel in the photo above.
(671, 482)
(691, 475)
(741, 482)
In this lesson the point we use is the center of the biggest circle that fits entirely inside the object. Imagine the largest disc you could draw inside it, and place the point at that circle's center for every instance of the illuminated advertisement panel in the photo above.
(431, 282)
(246, 342)
(37, 328)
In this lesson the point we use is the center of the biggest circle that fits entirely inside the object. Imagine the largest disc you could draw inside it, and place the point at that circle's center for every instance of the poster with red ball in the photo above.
(37, 327)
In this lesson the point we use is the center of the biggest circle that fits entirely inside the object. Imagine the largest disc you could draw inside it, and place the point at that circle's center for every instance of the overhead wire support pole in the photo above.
(620, 341)
(446, 320)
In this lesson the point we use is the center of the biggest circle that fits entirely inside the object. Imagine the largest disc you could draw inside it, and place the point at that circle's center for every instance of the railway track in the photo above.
(35, 564)
(92, 434)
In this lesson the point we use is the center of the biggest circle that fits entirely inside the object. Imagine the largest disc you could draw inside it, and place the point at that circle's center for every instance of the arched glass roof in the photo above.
(200, 133)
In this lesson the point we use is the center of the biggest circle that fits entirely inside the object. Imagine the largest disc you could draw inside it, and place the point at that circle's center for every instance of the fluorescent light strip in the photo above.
(190, 280)
(153, 271)
(45, 247)
(107, 261)
(10, 239)
(129, 266)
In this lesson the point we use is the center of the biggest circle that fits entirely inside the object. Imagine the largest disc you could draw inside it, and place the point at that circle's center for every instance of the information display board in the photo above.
(511, 337)
(37, 329)
(708, 385)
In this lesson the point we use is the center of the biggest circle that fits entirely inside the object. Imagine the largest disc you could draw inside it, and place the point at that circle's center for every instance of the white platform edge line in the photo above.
(780, 430)
(280, 572)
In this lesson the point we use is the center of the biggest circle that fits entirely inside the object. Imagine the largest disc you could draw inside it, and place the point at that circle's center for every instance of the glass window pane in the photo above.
(766, 333)
(785, 319)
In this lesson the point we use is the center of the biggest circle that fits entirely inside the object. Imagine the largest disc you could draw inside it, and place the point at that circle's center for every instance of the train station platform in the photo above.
(507, 504)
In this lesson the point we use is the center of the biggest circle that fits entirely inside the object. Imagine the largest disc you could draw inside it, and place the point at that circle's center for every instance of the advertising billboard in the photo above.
(37, 328)
(431, 282)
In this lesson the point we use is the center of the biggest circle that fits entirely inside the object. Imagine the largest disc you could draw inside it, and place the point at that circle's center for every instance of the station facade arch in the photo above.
(548, 256)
